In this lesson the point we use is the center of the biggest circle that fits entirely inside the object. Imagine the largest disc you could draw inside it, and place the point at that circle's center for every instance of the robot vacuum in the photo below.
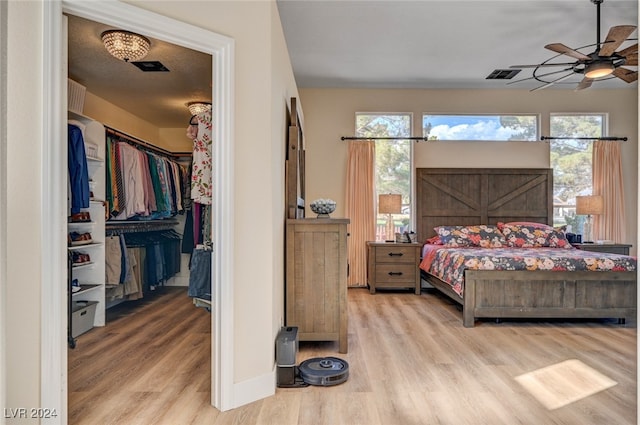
(324, 371)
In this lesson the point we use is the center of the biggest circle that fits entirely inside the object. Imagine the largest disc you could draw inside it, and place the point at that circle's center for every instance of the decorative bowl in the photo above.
(323, 207)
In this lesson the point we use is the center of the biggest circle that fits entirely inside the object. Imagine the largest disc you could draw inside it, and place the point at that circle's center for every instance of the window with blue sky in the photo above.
(489, 127)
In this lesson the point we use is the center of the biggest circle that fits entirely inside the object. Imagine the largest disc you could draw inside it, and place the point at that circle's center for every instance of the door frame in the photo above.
(54, 184)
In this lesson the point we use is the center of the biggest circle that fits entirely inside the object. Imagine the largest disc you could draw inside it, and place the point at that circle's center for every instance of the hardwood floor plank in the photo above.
(410, 362)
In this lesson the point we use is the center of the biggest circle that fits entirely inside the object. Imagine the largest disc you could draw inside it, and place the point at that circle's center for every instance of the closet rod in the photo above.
(146, 145)
(385, 138)
(607, 138)
(140, 226)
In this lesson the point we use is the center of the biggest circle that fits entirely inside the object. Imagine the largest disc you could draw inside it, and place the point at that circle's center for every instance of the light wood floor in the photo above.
(410, 362)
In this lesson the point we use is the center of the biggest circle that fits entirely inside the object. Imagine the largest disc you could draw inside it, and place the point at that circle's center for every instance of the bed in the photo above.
(467, 197)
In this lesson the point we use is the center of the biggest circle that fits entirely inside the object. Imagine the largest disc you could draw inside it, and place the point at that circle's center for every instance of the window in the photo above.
(571, 161)
(393, 166)
(481, 127)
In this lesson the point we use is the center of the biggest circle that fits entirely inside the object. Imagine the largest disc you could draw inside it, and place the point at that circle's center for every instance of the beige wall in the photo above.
(24, 211)
(263, 83)
(331, 114)
(171, 139)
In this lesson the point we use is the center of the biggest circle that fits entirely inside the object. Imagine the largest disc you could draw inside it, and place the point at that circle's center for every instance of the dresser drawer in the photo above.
(395, 254)
(390, 274)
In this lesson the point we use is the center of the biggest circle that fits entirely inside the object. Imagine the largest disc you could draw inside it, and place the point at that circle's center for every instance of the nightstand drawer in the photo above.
(391, 274)
(395, 254)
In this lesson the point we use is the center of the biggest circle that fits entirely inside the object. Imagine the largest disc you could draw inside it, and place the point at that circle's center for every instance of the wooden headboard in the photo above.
(460, 196)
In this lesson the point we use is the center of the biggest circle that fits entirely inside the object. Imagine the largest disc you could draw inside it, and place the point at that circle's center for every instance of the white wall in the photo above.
(331, 114)
(263, 82)
(23, 209)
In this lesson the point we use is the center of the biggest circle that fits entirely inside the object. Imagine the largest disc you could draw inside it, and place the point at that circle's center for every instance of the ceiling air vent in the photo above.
(503, 74)
(150, 66)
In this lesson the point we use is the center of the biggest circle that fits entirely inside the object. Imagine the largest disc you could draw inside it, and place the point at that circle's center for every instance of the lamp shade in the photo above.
(589, 205)
(389, 204)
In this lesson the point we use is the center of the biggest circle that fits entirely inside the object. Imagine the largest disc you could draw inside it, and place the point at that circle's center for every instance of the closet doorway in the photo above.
(120, 15)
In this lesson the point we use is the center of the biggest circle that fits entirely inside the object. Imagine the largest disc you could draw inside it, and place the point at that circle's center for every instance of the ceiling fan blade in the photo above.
(617, 35)
(562, 49)
(626, 74)
(584, 84)
(630, 54)
(542, 65)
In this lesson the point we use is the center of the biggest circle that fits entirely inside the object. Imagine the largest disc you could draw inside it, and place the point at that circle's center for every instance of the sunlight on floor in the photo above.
(563, 383)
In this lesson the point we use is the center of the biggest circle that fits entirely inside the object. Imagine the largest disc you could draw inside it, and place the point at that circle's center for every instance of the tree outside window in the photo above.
(393, 163)
(571, 161)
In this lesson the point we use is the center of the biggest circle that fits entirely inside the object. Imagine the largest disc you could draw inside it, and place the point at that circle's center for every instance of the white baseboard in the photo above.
(254, 389)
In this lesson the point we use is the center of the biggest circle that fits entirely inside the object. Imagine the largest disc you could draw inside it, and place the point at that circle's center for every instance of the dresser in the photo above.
(316, 279)
(616, 248)
(393, 265)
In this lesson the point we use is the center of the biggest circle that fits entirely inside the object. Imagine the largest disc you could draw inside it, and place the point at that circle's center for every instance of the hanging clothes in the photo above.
(78, 169)
(142, 185)
(201, 171)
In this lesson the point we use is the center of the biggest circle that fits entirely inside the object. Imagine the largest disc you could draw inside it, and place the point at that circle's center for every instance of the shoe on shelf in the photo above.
(76, 238)
(80, 217)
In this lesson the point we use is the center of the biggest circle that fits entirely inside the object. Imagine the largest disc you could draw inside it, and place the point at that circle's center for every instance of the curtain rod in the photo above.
(607, 138)
(384, 138)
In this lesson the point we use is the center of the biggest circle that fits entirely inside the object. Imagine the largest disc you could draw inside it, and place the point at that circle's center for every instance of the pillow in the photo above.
(533, 235)
(484, 236)
(434, 240)
(524, 223)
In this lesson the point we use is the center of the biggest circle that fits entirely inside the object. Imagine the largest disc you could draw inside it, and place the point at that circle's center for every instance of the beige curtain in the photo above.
(607, 182)
(360, 207)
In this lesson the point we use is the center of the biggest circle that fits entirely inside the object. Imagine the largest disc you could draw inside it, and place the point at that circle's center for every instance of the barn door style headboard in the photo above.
(460, 196)
(294, 168)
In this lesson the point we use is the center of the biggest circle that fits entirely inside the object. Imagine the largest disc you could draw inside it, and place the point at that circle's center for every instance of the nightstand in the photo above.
(612, 248)
(393, 265)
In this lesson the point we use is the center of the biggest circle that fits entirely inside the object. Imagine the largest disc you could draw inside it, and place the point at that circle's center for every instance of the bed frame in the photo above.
(455, 196)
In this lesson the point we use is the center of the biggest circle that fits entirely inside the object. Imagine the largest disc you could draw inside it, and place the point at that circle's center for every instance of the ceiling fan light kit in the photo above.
(601, 64)
(598, 70)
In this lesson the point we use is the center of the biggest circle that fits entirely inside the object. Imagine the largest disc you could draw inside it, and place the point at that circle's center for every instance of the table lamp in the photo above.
(389, 204)
(589, 205)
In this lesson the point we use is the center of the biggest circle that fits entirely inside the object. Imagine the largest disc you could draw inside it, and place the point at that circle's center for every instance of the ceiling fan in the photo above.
(601, 64)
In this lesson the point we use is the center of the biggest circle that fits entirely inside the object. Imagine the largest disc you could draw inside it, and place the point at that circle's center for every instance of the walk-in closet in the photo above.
(139, 219)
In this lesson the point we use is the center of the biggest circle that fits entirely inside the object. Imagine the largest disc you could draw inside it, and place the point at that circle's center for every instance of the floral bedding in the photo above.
(448, 264)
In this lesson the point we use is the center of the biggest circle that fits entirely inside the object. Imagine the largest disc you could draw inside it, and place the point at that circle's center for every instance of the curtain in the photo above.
(360, 208)
(607, 182)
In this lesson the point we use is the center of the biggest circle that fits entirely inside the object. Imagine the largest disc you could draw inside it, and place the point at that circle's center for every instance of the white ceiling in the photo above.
(364, 44)
(438, 43)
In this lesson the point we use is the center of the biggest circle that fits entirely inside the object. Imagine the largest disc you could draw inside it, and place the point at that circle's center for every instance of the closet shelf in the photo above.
(86, 288)
(77, 224)
(89, 245)
(83, 265)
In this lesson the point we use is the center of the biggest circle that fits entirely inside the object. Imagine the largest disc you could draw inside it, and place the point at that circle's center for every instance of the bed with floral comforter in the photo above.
(449, 264)
(527, 270)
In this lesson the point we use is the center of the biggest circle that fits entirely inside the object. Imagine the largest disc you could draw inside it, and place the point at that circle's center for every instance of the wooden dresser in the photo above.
(393, 265)
(316, 279)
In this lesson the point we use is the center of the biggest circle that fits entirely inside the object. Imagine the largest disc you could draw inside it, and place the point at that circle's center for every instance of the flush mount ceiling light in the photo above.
(198, 107)
(125, 45)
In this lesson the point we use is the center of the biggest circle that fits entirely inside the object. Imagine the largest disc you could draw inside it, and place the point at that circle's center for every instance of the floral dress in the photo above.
(201, 174)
